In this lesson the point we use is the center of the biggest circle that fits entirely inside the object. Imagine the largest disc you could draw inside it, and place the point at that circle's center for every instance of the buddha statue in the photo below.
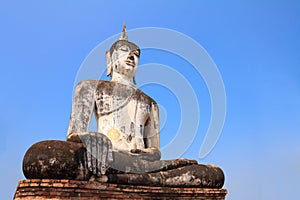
(126, 147)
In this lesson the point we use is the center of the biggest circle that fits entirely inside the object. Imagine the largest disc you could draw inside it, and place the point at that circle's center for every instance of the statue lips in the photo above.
(130, 62)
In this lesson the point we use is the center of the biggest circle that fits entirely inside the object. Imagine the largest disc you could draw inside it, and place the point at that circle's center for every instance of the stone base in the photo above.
(71, 189)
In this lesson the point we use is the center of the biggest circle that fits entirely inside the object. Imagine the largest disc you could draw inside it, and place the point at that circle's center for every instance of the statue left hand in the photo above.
(98, 151)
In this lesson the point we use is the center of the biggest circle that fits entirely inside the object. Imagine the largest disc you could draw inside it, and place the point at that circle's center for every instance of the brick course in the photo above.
(70, 189)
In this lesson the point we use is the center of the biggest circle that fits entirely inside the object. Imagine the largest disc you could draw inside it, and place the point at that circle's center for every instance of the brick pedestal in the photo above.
(71, 189)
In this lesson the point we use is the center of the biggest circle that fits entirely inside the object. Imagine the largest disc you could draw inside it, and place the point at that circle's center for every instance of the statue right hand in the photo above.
(98, 151)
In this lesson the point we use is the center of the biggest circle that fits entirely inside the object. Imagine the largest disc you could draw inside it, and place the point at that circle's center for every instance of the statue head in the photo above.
(122, 58)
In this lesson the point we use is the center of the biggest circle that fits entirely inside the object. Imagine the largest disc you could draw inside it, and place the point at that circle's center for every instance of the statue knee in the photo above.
(55, 159)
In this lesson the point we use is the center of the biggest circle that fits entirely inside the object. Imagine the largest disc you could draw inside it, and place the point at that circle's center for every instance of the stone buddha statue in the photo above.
(126, 147)
(125, 116)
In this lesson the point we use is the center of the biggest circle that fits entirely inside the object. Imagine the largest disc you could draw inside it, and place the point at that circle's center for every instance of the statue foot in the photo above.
(101, 179)
(204, 176)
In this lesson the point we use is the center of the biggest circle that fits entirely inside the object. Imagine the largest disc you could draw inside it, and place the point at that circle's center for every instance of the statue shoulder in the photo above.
(85, 83)
(115, 89)
(144, 97)
(88, 85)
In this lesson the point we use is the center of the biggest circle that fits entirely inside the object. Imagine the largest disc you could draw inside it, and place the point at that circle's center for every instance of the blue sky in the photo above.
(255, 45)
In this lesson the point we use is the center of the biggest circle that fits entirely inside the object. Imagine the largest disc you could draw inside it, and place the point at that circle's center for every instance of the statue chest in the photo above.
(121, 107)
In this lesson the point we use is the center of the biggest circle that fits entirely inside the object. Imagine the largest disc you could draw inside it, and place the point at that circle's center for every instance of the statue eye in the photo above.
(137, 53)
(124, 48)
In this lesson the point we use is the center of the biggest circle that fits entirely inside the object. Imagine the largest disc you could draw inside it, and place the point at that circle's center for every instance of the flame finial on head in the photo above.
(124, 35)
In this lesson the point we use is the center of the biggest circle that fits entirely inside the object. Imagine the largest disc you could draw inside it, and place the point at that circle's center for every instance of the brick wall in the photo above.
(71, 189)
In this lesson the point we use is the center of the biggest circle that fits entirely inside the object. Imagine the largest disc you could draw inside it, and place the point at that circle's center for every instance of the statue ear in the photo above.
(108, 63)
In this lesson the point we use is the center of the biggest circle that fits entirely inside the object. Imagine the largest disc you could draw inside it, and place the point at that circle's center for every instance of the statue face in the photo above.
(125, 60)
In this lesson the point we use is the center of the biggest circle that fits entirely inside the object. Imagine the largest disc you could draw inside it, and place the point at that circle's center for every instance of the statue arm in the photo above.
(152, 130)
(98, 146)
(152, 135)
(82, 107)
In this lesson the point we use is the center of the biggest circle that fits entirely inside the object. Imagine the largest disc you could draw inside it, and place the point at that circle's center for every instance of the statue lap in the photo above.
(64, 160)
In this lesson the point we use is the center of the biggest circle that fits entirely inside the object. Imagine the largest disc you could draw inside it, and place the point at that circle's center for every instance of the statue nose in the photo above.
(131, 57)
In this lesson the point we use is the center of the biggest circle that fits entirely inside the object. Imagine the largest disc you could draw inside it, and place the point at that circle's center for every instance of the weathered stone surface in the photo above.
(130, 163)
(65, 160)
(85, 190)
(55, 159)
(68, 160)
(98, 154)
(123, 113)
(205, 176)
